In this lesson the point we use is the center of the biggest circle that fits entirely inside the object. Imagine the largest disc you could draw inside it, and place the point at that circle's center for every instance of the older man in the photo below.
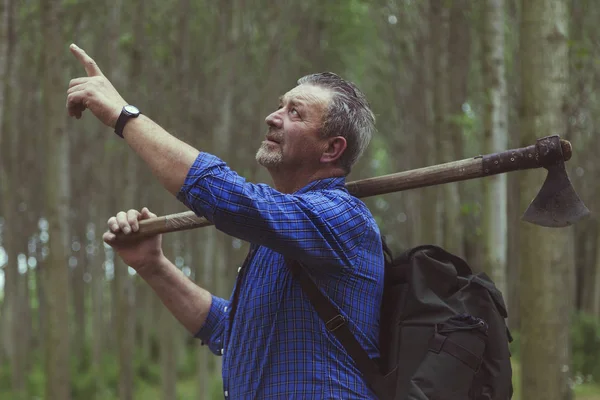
(273, 343)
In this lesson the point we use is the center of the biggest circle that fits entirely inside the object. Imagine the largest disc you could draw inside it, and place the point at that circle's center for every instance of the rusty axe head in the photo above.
(556, 204)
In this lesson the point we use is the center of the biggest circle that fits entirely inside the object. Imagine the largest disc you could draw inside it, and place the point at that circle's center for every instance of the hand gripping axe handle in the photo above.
(556, 204)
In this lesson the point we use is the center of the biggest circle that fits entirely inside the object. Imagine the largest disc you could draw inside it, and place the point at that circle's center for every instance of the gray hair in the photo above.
(349, 115)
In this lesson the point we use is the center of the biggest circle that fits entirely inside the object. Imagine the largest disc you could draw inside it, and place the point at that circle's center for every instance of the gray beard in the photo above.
(269, 157)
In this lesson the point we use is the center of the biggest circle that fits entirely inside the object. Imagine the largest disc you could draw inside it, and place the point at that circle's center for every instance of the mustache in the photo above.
(275, 135)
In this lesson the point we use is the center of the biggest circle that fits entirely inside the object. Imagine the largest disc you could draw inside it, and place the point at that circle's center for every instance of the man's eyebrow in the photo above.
(294, 101)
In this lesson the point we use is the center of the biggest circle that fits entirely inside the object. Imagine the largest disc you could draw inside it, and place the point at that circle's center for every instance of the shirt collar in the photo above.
(336, 182)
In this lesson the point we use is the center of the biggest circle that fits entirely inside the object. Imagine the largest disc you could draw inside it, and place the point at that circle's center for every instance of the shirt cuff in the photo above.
(218, 312)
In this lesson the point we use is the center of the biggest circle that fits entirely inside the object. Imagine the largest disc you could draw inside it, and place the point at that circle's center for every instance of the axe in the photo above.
(556, 204)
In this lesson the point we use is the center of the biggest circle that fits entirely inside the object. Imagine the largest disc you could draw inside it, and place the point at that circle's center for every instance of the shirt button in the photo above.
(225, 309)
(222, 351)
(239, 269)
(226, 393)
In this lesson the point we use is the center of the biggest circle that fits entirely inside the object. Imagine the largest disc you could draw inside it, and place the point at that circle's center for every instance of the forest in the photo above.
(447, 80)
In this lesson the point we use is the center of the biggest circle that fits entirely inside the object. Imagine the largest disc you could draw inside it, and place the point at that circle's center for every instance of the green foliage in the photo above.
(126, 41)
(585, 337)
(515, 346)
(380, 158)
(467, 121)
(101, 382)
(585, 348)
(147, 371)
(4, 376)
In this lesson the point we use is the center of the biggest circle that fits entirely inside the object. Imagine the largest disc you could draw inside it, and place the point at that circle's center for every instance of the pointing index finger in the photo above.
(91, 68)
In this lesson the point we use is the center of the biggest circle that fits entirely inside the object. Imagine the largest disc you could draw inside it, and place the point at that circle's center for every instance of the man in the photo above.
(273, 343)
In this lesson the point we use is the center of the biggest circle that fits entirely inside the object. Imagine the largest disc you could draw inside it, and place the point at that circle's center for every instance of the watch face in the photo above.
(132, 109)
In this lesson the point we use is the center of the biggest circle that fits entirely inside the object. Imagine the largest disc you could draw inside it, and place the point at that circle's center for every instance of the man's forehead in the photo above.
(308, 94)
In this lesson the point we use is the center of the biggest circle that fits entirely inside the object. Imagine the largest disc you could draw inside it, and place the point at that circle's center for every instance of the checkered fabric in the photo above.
(274, 345)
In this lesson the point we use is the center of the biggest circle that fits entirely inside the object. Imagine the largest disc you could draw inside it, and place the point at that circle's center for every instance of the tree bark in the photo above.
(459, 61)
(496, 140)
(13, 340)
(57, 202)
(125, 289)
(168, 335)
(205, 260)
(546, 254)
(581, 132)
(595, 295)
(440, 143)
(513, 189)
(78, 284)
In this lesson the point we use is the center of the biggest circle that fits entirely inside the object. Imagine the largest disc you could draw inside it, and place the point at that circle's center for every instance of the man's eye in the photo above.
(294, 111)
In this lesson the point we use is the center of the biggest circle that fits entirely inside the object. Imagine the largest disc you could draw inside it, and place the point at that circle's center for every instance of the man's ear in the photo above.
(335, 148)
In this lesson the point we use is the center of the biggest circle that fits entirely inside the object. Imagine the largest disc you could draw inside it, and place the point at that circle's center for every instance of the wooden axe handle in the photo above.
(547, 150)
(535, 156)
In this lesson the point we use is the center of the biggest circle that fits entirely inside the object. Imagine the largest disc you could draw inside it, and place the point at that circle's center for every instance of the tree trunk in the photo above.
(512, 180)
(459, 60)
(124, 282)
(581, 132)
(6, 49)
(595, 295)
(13, 299)
(546, 254)
(78, 285)
(168, 335)
(425, 199)
(13, 338)
(441, 144)
(125, 342)
(205, 261)
(96, 290)
(496, 140)
(5, 43)
(167, 354)
(57, 202)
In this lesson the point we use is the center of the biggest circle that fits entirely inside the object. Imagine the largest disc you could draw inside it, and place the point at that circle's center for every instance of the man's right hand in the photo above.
(93, 91)
(140, 254)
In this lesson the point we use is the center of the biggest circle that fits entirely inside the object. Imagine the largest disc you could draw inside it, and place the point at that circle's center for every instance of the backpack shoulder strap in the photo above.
(338, 325)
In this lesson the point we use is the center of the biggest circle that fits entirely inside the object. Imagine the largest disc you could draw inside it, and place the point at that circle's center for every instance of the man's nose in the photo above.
(274, 119)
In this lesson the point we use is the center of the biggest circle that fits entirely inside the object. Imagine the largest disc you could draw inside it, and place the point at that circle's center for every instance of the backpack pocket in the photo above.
(454, 357)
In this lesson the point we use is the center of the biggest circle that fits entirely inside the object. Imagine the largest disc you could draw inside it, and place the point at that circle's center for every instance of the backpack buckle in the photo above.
(335, 323)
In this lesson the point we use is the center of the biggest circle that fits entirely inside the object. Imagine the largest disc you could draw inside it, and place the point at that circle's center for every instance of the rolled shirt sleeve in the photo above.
(309, 226)
(211, 333)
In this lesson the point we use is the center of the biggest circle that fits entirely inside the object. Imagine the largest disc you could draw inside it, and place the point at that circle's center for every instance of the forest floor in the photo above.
(584, 391)
(186, 389)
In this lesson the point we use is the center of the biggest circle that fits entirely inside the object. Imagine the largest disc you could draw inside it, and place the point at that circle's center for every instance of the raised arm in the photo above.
(326, 226)
(168, 157)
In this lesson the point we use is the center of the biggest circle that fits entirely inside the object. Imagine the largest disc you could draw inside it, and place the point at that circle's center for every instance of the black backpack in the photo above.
(443, 332)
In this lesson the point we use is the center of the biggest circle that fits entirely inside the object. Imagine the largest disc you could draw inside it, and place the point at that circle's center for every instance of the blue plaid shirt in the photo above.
(276, 346)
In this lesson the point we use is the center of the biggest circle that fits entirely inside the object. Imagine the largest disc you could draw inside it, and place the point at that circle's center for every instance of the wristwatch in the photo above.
(127, 113)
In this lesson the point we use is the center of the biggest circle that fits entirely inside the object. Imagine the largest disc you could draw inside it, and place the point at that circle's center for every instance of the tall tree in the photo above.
(14, 296)
(513, 190)
(205, 258)
(496, 140)
(546, 255)
(125, 294)
(432, 212)
(459, 60)
(57, 202)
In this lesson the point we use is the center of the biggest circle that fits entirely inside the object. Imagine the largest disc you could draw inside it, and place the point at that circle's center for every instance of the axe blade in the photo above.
(557, 204)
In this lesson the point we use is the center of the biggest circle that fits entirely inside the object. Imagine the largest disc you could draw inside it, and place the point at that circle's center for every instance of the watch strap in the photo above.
(124, 117)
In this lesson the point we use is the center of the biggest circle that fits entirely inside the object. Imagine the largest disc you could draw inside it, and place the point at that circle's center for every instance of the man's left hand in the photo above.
(94, 92)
